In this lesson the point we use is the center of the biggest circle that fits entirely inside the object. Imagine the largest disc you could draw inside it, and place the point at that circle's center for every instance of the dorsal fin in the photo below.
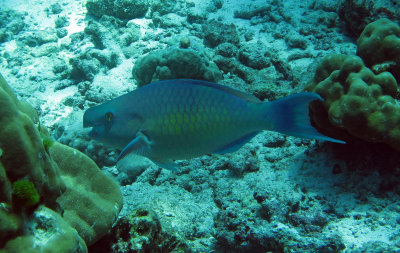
(237, 93)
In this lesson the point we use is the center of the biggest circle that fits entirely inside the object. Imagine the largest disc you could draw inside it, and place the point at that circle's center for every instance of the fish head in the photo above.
(112, 124)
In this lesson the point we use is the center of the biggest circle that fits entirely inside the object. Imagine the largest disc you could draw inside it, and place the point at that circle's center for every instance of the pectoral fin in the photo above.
(139, 146)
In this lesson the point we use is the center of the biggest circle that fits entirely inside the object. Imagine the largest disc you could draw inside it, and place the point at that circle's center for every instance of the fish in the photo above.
(183, 118)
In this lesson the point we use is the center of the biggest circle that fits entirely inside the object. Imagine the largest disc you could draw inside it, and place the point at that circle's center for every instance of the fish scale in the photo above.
(181, 119)
(206, 113)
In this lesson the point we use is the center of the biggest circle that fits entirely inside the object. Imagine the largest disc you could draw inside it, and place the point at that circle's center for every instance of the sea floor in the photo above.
(276, 193)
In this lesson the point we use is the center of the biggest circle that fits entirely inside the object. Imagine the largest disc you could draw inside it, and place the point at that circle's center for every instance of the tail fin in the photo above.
(290, 115)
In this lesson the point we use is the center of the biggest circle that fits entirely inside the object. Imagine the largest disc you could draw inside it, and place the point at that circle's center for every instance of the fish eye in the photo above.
(109, 116)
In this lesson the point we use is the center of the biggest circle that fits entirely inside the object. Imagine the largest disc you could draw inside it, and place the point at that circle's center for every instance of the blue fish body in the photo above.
(182, 119)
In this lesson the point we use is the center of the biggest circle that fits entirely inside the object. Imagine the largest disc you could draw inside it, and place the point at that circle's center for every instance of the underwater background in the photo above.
(60, 191)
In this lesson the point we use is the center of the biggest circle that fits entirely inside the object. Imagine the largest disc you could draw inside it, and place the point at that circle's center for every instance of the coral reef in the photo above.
(92, 201)
(358, 101)
(163, 7)
(379, 47)
(276, 194)
(25, 193)
(23, 153)
(89, 63)
(11, 23)
(358, 13)
(53, 198)
(46, 231)
(216, 33)
(140, 231)
(125, 9)
(128, 9)
(174, 63)
(39, 38)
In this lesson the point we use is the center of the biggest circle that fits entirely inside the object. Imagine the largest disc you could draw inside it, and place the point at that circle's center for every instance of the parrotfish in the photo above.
(182, 119)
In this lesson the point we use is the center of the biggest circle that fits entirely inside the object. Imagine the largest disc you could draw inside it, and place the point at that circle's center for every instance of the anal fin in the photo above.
(168, 164)
(236, 145)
